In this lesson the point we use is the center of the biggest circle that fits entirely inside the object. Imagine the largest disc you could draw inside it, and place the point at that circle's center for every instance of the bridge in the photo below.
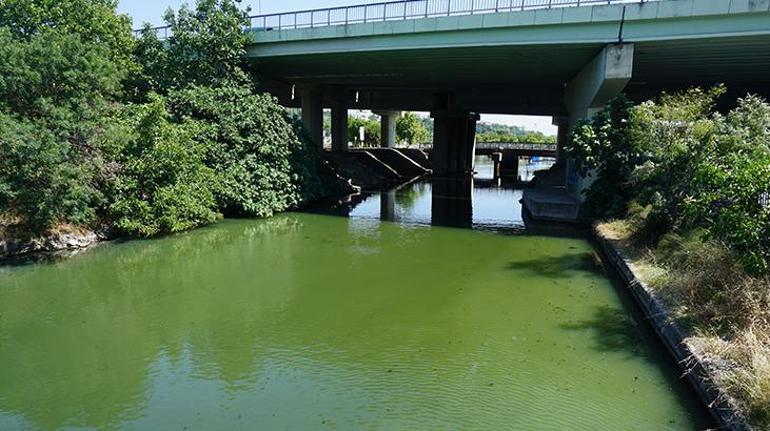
(459, 58)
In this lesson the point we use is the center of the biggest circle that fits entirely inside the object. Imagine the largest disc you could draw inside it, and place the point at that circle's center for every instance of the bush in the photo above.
(686, 166)
(249, 143)
(163, 185)
(603, 147)
(43, 180)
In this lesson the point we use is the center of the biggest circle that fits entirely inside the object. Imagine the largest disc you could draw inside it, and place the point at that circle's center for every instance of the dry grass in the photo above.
(726, 310)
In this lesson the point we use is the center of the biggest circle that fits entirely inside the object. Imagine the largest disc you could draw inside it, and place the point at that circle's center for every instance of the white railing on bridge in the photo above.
(502, 146)
(398, 11)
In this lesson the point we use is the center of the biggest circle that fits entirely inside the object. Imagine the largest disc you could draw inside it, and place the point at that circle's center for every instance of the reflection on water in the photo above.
(311, 321)
(442, 202)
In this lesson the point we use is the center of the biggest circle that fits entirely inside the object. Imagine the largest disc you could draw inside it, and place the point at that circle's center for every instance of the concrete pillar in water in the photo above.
(497, 158)
(388, 127)
(454, 142)
(509, 165)
(313, 115)
(452, 202)
(340, 123)
(388, 205)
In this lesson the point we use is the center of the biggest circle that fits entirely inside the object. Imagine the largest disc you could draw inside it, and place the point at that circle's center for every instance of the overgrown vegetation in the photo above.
(690, 186)
(142, 136)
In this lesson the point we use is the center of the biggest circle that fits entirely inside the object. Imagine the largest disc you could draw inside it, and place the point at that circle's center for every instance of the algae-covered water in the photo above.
(312, 321)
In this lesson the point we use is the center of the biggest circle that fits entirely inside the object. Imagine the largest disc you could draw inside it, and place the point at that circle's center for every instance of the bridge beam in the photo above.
(454, 142)
(388, 127)
(313, 115)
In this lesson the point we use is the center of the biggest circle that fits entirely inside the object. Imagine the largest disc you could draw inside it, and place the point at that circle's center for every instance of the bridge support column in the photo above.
(597, 83)
(454, 142)
(562, 136)
(509, 166)
(497, 158)
(339, 125)
(313, 115)
(388, 127)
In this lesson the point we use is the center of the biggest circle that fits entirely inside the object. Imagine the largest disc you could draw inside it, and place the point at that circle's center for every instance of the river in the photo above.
(376, 314)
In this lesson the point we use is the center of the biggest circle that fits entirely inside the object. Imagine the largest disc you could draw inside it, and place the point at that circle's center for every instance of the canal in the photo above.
(376, 313)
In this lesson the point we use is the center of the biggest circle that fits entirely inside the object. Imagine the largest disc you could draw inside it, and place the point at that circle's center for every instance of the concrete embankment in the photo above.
(718, 403)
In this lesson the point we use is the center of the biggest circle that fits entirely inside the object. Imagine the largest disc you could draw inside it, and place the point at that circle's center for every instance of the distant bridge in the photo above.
(521, 149)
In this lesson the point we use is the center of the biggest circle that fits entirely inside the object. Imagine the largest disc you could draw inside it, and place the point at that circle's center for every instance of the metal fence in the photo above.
(399, 11)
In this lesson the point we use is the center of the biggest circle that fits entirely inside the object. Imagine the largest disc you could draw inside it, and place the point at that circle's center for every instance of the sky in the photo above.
(152, 11)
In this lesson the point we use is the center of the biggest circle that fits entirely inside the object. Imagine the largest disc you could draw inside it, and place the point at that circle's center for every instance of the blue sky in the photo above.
(152, 11)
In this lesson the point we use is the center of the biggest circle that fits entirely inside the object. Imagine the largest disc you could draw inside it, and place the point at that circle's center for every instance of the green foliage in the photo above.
(410, 129)
(43, 179)
(55, 76)
(72, 151)
(602, 147)
(163, 185)
(94, 22)
(249, 142)
(489, 132)
(206, 46)
(371, 127)
(60, 72)
(687, 166)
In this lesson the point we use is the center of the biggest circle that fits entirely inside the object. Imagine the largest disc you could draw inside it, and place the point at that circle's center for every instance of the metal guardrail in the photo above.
(502, 146)
(398, 11)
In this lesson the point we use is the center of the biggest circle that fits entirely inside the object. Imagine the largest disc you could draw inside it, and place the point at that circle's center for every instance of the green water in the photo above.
(310, 321)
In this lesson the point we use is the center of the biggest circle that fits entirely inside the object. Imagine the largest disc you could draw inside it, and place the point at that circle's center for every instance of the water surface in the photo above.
(314, 321)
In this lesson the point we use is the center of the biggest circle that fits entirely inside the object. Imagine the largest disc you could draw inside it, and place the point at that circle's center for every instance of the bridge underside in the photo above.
(563, 63)
(512, 79)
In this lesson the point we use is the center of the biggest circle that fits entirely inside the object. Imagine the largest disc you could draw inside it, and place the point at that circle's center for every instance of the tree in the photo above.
(163, 185)
(206, 47)
(371, 127)
(410, 129)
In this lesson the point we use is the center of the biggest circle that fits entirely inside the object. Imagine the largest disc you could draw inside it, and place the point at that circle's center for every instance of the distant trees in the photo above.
(410, 130)
(490, 132)
(371, 126)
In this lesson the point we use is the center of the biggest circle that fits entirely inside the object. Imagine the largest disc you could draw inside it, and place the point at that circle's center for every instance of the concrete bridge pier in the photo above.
(497, 159)
(454, 142)
(339, 123)
(313, 115)
(509, 165)
(388, 127)
(562, 136)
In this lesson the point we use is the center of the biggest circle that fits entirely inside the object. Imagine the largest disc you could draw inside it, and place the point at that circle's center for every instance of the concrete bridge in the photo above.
(459, 58)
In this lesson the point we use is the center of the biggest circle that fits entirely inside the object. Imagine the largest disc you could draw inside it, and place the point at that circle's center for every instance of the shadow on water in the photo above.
(613, 330)
(563, 266)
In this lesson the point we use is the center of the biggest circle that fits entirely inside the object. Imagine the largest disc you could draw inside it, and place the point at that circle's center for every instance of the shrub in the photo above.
(163, 185)
(248, 142)
(603, 147)
(43, 179)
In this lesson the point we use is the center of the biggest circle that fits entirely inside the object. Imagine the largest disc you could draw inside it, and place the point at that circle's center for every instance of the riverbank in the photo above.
(347, 174)
(730, 369)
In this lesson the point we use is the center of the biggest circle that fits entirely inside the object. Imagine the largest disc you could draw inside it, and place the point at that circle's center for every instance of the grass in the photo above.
(725, 311)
